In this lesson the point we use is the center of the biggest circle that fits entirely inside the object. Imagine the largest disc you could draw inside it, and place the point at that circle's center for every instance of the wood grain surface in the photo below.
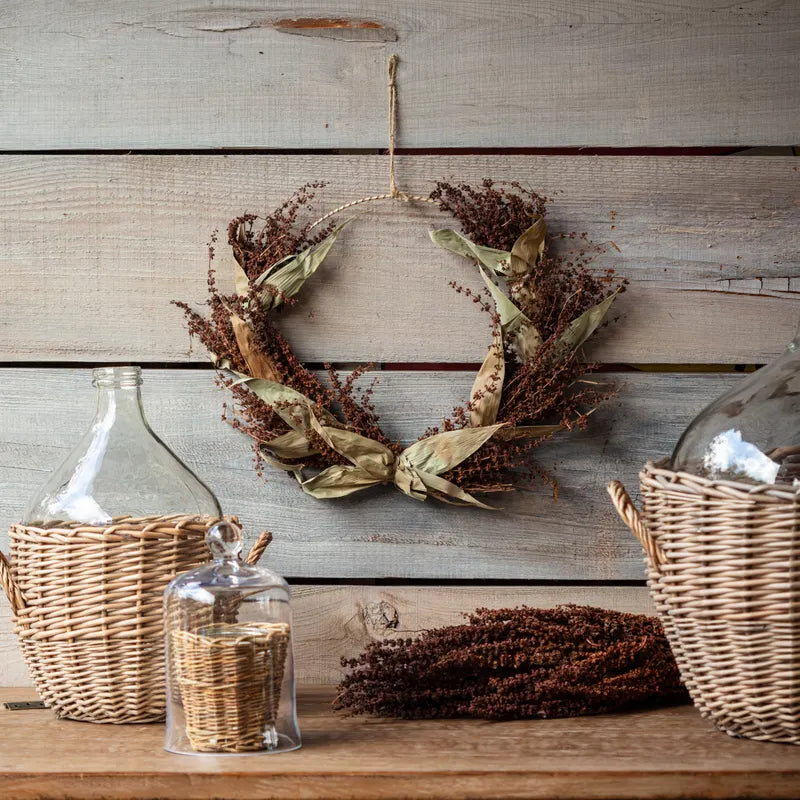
(93, 247)
(666, 753)
(472, 74)
(710, 245)
(341, 620)
(381, 533)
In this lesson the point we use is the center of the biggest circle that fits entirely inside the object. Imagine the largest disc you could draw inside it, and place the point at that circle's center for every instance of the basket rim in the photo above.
(122, 527)
(260, 633)
(732, 490)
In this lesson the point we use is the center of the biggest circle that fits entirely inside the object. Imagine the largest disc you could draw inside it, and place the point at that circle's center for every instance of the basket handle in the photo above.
(257, 550)
(14, 594)
(631, 517)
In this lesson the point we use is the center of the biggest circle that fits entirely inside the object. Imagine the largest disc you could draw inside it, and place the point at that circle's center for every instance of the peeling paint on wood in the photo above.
(350, 30)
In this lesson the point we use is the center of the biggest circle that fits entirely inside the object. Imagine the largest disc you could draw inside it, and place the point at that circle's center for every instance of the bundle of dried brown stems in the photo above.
(515, 664)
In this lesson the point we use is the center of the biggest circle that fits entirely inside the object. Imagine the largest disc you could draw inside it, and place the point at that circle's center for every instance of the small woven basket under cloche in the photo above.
(229, 676)
(87, 606)
(722, 560)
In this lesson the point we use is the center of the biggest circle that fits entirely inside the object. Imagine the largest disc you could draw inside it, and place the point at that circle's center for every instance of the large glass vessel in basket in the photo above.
(115, 522)
(751, 433)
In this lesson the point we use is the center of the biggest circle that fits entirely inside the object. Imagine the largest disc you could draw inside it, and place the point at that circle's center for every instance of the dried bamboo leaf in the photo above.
(519, 330)
(241, 238)
(240, 281)
(407, 480)
(436, 483)
(373, 463)
(367, 454)
(220, 363)
(486, 403)
(527, 249)
(526, 342)
(288, 275)
(291, 406)
(442, 452)
(582, 327)
(493, 259)
(259, 364)
(338, 481)
(273, 268)
(294, 469)
(291, 445)
(239, 276)
(511, 318)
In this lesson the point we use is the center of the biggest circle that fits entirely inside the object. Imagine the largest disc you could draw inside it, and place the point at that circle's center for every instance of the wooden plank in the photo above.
(381, 533)
(710, 245)
(334, 621)
(179, 74)
(665, 753)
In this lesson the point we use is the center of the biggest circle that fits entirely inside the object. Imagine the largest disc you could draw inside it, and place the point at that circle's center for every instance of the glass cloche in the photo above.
(230, 675)
(752, 432)
(119, 467)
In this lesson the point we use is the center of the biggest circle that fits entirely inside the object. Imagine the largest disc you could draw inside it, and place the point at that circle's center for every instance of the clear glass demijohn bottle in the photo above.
(230, 673)
(752, 432)
(120, 467)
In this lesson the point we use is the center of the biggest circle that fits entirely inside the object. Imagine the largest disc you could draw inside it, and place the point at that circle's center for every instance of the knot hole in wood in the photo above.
(380, 617)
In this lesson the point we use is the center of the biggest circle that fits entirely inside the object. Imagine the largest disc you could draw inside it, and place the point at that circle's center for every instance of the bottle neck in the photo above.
(119, 399)
(119, 405)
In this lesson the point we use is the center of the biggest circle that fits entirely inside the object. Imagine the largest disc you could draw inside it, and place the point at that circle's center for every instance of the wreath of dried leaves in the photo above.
(542, 307)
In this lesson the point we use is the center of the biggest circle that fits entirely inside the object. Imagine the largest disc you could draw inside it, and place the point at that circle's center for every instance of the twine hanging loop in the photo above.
(394, 193)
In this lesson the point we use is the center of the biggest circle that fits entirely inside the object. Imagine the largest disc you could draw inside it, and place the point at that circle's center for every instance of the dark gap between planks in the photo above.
(477, 583)
(779, 150)
(396, 366)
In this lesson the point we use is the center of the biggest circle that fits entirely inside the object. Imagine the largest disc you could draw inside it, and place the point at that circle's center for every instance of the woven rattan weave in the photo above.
(722, 560)
(229, 677)
(87, 604)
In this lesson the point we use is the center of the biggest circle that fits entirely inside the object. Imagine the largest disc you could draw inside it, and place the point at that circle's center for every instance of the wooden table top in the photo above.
(664, 753)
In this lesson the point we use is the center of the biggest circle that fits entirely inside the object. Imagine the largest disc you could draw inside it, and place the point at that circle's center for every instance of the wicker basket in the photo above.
(229, 677)
(722, 560)
(87, 605)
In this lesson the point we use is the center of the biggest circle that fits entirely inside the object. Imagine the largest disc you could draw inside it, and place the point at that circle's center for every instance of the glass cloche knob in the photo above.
(224, 540)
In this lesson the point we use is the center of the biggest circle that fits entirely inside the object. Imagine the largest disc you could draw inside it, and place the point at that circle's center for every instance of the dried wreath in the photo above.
(542, 307)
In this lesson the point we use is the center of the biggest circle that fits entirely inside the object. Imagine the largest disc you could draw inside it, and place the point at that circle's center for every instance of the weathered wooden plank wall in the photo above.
(183, 74)
(382, 534)
(93, 247)
(709, 244)
(335, 621)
